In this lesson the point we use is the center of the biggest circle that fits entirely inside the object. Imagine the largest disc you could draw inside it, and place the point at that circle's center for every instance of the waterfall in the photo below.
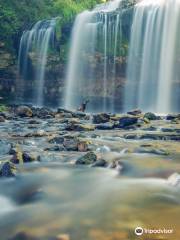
(95, 41)
(153, 75)
(34, 45)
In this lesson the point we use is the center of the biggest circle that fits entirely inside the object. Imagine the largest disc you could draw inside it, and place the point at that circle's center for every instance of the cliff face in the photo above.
(8, 71)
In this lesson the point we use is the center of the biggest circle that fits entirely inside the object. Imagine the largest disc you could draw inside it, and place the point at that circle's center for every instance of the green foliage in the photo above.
(69, 8)
(3, 108)
(18, 15)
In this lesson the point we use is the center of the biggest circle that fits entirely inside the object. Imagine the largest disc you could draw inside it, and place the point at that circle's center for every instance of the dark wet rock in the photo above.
(100, 163)
(57, 140)
(105, 126)
(79, 114)
(127, 121)
(135, 112)
(87, 159)
(153, 136)
(71, 143)
(38, 133)
(62, 110)
(151, 128)
(23, 236)
(171, 130)
(7, 170)
(173, 116)
(150, 150)
(55, 148)
(80, 127)
(43, 113)
(2, 119)
(101, 118)
(22, 157)
(150, 116)
(34, 121)
(24, 111)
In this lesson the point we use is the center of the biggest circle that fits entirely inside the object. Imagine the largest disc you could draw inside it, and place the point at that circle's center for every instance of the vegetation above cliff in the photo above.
(16, 16)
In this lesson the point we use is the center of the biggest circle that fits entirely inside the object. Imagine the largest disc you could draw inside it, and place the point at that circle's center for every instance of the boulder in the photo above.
(127, 121)
(7, 170)
(87, 159)
(22, 157)
(105, 126)
(2, 119)
(70, 143)
(80, 127)
(150, 116)
(135, 112)
(101, 118)
(172, 116)
(100, 163)
(24, 111)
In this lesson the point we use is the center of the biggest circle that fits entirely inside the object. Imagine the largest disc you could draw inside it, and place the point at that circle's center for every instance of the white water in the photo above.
(35, 42)
(153, 64)
(91, 29)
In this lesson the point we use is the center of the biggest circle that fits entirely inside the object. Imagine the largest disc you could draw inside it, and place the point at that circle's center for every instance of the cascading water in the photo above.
(153, 75)
(96, 40)
(34, 44)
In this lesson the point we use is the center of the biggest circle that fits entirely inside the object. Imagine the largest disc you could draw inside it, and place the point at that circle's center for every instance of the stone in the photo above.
(24, 111)
(70, 143)
(150, 116)
(100, 163)
(151, 150)
(80, 127)
(172, 116)
(85, 127)
(105, 126)
(7, 170)
(127, 121)
(57, 140)
(87, 159)
(55, 148)
(101, 118)
(82, 146)
(2, 119)
(135, 112)
(22, 157)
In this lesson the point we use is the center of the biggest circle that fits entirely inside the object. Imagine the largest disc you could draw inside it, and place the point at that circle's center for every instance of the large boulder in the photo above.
(101, 118)
(127, 121)
(24, 111)
(7, 170)
(150, 116)
(87, 159)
